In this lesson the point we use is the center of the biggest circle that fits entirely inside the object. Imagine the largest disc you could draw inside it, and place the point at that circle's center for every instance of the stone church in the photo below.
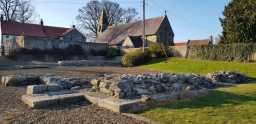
(15, 35)
(158, 30)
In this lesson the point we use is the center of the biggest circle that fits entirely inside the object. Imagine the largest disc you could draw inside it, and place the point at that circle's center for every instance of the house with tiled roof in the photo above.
(16, 35)
(157, 30)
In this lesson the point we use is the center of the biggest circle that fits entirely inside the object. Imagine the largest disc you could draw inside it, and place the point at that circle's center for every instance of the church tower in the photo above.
(103, 22)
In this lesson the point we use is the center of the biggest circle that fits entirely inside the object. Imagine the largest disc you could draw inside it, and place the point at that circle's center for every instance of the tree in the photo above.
(9, 9)
(17, 10)
(239, 22)
(89, 15)
(25, 12)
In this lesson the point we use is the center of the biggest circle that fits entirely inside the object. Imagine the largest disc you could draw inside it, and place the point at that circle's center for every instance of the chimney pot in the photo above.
(2, 17)
(42, 22)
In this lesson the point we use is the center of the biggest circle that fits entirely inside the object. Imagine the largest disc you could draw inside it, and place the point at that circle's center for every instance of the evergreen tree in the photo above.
(239, 22)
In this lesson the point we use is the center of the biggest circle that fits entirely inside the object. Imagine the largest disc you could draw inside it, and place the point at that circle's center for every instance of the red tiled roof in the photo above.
(203, 42)
(33, 30)
(116, 34)
(180, 44)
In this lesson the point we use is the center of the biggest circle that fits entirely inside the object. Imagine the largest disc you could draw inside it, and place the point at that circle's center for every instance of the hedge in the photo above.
(226, 52)
(58, 54)
(136, 58)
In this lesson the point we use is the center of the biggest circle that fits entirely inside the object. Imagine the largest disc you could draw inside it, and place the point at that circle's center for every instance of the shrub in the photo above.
(101, 52)
(112, 52)
(157, 50)
(109, 52)
(136, 58)
(58, 54)
(225, 52)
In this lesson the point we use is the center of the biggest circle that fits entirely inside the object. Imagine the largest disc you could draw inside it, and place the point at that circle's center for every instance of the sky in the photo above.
(190, 19)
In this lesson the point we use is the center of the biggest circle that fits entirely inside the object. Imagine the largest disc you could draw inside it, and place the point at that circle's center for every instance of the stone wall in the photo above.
(179, 51)
(94, 46)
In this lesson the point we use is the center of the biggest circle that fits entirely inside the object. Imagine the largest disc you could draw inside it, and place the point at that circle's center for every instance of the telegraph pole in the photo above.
(144, 27)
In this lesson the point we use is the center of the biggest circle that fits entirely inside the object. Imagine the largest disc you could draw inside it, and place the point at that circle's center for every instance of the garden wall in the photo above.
(179, 51)
(227, 52)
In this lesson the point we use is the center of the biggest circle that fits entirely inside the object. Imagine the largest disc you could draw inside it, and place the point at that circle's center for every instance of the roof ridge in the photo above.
(11, 21)
(130, 23)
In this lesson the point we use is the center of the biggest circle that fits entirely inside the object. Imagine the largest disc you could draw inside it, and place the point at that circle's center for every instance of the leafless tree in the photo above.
(130, 13)
(89, 15)
(25, 12)
(9, 9)
(17, 10)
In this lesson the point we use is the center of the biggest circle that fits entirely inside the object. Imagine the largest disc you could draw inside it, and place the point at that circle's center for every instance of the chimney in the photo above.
(2, 17)
(42, 22)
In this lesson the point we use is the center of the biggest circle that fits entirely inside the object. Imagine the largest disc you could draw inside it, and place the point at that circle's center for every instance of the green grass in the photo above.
(179, 65)
(233, 105)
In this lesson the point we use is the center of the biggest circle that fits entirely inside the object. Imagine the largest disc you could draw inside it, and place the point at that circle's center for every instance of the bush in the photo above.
(225, 52)
(109, 52)
(157, 50)
(112, 52)
(58, 54)
(101, 52)
(136, 58)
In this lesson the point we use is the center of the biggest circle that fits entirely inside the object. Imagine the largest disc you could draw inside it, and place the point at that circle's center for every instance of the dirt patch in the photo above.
(76, 71)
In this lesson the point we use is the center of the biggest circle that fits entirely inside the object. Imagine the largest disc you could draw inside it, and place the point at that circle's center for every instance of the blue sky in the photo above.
(190, 19)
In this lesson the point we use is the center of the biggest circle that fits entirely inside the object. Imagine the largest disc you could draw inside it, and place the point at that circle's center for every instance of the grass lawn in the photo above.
(179, 65)
(233, 105)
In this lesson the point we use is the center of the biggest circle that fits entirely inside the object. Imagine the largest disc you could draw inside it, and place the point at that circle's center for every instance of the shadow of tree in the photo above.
(155, 61)
(215, 98)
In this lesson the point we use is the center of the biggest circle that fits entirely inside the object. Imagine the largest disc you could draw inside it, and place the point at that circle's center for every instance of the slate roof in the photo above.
(114, 35)
(33, 30)
(203, 42)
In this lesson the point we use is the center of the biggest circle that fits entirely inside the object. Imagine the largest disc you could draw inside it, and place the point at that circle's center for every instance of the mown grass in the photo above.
(232, 105)
(179, 65)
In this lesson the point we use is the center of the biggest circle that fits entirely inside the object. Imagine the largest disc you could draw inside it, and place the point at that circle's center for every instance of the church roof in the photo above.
(114, 35)
(33, 30)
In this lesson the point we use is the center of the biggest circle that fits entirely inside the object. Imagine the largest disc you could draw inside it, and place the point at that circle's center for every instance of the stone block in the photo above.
(54, 87)
(36, 89)
(54, 99)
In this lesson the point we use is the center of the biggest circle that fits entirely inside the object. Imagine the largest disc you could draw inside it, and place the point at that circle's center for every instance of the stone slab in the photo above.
(52, 99)
(135, 105)
(40, 89)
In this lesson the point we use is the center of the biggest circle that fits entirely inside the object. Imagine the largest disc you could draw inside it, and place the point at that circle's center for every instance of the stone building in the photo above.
(158, 30)
(16, 35)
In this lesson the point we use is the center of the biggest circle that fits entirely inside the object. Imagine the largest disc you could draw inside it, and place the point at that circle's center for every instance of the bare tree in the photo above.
(130, 15)
(17, 10)
(9, 9)
(89, 15)
(25, 12)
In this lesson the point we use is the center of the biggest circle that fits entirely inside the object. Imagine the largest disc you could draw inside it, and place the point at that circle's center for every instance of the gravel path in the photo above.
(76, 71)
(13, 111)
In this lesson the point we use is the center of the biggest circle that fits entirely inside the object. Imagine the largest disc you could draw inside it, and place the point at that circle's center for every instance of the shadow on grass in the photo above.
(214, 99)
(155, 61)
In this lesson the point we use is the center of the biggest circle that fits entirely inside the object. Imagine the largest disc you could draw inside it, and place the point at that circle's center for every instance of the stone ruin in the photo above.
(134, 86)
(119, 93)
